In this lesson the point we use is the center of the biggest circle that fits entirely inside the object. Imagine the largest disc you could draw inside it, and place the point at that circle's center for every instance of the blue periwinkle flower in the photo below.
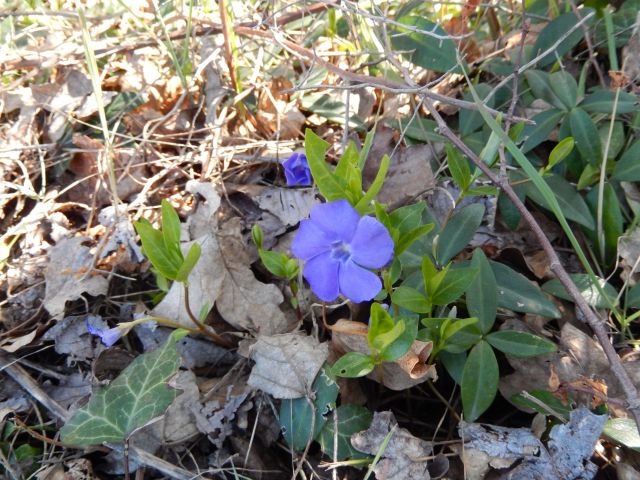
(296, 170)
(339, 246)
(109, 336)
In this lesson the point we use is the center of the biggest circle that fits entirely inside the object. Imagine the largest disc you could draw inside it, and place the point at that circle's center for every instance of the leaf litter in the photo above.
(90, 266)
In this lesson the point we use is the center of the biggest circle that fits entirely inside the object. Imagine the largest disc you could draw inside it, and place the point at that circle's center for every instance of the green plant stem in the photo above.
(217, 339)
(294, 293)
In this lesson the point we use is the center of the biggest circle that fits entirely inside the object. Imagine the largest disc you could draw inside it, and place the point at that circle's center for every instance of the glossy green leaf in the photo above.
(139, 394)
(297, 415)
(458, 232)
(471, 120)
(411, 299)
(612, 221)
(193, 255)
(401, 345)
(353, 365)
(545, 122)
(560, 151)
(407, 239)
(366, 147)
(348, 173)
(455, 283)
(601, 101)
(331, 108)
(154, 248)
(479, 381)
(482, 294)
(381, 341)
(623, 431)
(517, 293)
(482, 191)
(585, 287)
(616, 141)
(454, 326)
(275, 262)
(454, 363)
(170, 227)
(380, 322)
(540, 83)
(586, 136)
(520, 344)
(328, 184)
(571, 203)
(364, 203)
(459, 167)
(628, 167)
(351, 419)
(545, 398)
(463, 339)
(555, 30)
(565, 87)
(438, 54)
(408, 217)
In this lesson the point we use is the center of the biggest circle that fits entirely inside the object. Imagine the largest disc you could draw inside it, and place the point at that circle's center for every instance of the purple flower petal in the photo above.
(322, 274)
(296, 170)
(357, 283)
(338, 218)
(108, 336)
(310, 241)
(371, 246)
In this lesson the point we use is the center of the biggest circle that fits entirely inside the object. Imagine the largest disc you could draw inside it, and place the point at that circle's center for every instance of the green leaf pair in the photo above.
(162, 247)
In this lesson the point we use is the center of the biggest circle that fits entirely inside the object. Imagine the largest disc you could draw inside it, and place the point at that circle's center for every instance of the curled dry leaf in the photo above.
(286, 365)
(405, 457)
(69, 276)
(409, 370)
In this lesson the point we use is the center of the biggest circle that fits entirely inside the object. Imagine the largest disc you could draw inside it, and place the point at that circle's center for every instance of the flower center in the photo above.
(340, 251)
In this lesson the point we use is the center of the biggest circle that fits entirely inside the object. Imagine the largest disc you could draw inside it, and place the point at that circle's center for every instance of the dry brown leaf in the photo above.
(409, 370)
(405, 457)
(70, 276)
(14, 344)
(286, 365)
(579, 357)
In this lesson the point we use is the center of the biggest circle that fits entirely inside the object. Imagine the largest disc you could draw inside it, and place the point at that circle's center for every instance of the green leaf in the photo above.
(438, 54)
(454, 284)
(571, 203)
(482, 191)
(520, 344)
(540, 83)
(366, 147)
(170, 227)
(601, 101)
(617, 141)
(353, 365)
(411, 299)
(275, 262)
(565, 87)
(612, 221)
(189, 262)
(586, 136)
(545, 122)
(479, 381)
(553, 32)
(328, 184)
(633, 296)
(459, 167)
(458, 232)
(586, 288)
(365, 202)
(407, 239)
(139, 394)
(623, 431)
(381, 342)
(297, 415)
(482, 294)
(380, 322)
(628, 167)
(417, 128)
(560, 151)
(401, 345)
(348, 173)
(351, 419)
(454, 363)
(471, 120)
(331, 108)
(517, 293)
(546, 398)
(455, 326)
(408, 217)
(154, 248)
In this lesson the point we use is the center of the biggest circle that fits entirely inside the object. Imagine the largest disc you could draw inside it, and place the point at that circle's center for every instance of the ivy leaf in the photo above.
(351, 419)
(138, 395)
